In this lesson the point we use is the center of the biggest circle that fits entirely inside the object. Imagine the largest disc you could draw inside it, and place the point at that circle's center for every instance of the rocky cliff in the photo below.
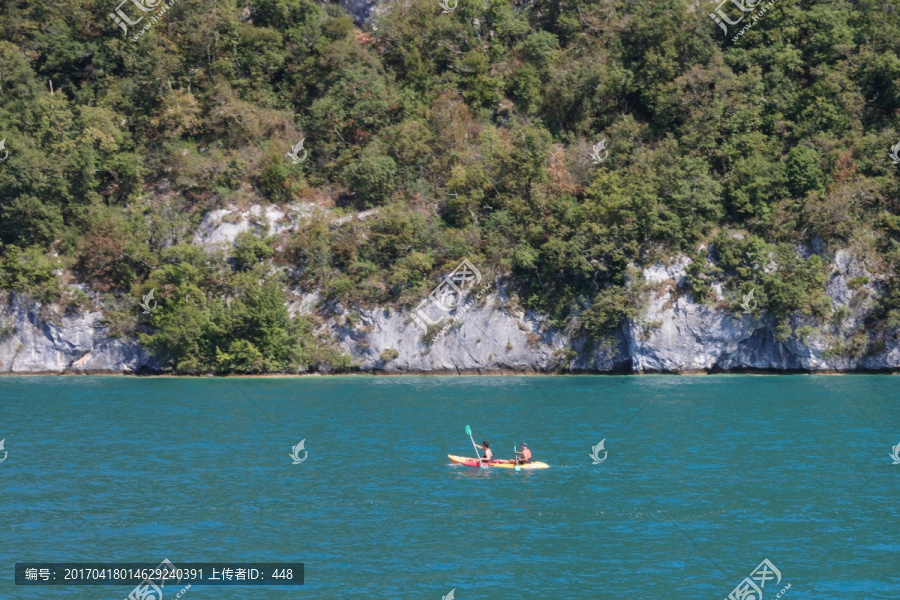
(490, 333)
(672, 334)
(37, 339)
(676, 334)
(485, 335)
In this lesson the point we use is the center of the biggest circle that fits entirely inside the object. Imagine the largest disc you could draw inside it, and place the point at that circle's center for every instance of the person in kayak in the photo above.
(525, 454)
(488, 454)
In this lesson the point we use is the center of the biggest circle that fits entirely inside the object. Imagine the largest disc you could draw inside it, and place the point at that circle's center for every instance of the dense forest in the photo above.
(469, 130)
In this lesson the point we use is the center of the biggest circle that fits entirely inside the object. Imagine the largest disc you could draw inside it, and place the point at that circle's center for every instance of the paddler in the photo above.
(488, 455)
(525, 454)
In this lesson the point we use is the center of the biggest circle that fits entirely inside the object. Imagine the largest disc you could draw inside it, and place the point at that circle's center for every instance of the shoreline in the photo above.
(448, 373)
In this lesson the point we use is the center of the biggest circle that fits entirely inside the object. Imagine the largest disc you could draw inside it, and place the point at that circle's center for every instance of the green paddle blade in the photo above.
(468, 430)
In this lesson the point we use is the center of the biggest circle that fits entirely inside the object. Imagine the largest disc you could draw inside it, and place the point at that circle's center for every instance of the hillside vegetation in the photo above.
(471, 132)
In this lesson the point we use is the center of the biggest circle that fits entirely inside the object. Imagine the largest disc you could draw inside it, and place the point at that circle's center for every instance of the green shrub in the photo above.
(31, 271)
(251, 250)
(857, 282)
(371, 178)
(388, 354)
(609, 309)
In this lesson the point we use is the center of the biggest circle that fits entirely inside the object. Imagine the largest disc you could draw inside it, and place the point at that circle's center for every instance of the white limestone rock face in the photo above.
(303, 303)
(676, 334)
(68, 343)
(219, 228)
(492, 334)
(489, 336)
(888, 359)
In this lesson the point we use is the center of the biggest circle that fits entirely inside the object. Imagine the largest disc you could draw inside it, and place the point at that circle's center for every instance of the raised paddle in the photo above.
(469, 431)
(516, 454)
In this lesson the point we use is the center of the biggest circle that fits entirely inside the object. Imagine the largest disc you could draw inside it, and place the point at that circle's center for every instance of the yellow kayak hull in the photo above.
(474, 462)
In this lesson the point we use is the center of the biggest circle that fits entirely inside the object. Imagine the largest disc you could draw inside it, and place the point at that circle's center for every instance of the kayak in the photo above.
(474, 462)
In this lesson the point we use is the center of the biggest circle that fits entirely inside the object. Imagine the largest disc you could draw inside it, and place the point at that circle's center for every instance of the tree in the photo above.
(371, 178)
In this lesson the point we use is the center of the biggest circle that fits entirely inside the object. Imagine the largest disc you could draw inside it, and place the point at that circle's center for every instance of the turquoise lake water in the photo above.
(705, 477)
